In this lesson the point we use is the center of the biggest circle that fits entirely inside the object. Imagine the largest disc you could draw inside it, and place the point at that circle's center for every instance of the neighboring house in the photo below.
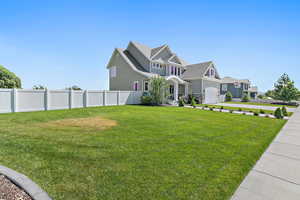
(133, 67)
(238, 87)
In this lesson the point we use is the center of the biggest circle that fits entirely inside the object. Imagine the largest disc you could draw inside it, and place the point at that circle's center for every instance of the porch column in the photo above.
(186, 90)
(176, 91)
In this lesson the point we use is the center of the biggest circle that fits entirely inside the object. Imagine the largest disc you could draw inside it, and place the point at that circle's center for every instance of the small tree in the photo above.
(278, 113)
(158, 90)
(181, 102)
(285, 89)
(270, 93)
(193, 102)
(39, 87)
(74, 87)
(284, 111)
(228, 96)
(245, 98)
(8, 79)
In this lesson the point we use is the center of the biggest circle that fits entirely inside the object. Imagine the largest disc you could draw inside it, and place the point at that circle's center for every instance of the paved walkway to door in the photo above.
(254, 106)
(277, 173)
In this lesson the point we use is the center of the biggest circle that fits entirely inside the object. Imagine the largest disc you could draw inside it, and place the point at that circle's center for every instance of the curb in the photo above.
(31, 188)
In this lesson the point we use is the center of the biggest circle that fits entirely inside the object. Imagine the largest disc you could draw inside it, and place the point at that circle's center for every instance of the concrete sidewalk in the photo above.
(254, 106)
(277, 173)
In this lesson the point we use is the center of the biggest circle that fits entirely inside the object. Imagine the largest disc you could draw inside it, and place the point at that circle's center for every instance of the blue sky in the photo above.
(63, 43)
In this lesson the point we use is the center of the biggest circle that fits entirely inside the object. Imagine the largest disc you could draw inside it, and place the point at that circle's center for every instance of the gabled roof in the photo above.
(229, 79)
(145, 50)
(197, 70)
(130, 61)
(155, 50)
(151, 53)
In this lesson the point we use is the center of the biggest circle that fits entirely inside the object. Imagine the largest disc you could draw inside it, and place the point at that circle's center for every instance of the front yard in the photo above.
(135, 152)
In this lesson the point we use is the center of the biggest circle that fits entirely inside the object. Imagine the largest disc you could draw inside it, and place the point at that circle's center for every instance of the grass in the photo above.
(242, 109)
(259, 104)
(149, 153)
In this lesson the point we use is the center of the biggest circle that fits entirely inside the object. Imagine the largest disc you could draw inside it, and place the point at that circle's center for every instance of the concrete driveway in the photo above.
(254, 106)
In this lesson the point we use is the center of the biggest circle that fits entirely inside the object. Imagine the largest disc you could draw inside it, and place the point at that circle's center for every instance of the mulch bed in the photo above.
(9, 191)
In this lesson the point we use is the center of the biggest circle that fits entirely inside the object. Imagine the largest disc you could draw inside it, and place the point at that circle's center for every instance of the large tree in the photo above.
(284, 89)
(8, 79)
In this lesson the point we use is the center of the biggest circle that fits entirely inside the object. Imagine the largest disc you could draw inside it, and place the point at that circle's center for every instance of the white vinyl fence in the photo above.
(20, 100)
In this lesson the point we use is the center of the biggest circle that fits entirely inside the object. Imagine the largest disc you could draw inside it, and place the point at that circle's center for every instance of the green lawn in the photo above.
(243, 109)
(153, 152)
(258, 104)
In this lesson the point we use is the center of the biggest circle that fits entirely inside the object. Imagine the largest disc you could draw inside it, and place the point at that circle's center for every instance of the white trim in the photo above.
(148, 75)
(179, 80)
(164, 46)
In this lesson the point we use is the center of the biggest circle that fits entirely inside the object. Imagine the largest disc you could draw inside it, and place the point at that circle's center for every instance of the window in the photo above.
(135, 85)
(237, 85)
(224, 87)
(172, 70)
(113, 72)
(146, 86)
(212, 72)
(175, 71)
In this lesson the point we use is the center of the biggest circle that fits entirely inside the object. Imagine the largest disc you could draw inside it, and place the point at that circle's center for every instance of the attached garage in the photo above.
(211, 95)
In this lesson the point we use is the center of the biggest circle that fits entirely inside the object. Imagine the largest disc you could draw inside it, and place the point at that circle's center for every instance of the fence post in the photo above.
(14, 100)
(118, 98)
(85, 99)
(47, 99)
(70, 98)
(104, 98)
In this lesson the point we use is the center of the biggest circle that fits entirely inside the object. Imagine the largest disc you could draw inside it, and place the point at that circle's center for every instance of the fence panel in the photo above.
(95, 98)
(111, 98)
(30, 100)
(59, 99)
(78, 99)
(20, 100)
(6, 101)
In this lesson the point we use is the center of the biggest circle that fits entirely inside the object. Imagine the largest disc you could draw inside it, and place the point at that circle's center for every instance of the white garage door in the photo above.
(211, 95)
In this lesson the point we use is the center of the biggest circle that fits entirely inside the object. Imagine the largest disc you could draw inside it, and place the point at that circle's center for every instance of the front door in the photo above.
(171, 91)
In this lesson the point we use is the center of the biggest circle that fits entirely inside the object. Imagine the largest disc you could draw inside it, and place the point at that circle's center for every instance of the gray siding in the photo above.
(125, 75)
(143, 61)
(236, 92)
(196, 86)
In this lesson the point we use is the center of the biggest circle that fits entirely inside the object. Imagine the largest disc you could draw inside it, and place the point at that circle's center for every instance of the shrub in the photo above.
(261, 111)
(222, 107)
(240, 109)
(159, 90)
(231, 111)
(228, 96)
(244, 113)
(278, 113)
(255, 114)
(245, 98)
(146, 100)
(284, 111)
(211, 109)
(267, 116)
(181, 102)
(193, 102)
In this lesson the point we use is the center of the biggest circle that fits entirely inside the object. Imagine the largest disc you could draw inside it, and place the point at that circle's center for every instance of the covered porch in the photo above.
(177, 87)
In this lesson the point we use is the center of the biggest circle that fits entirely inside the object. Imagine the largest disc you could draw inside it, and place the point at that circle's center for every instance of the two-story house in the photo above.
(238, 87)
(133, 67)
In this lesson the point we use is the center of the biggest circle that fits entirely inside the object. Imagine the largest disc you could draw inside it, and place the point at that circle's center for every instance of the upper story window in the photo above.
(113, 72)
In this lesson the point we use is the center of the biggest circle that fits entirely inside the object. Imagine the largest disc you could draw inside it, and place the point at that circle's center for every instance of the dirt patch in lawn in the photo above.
(98, 123)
